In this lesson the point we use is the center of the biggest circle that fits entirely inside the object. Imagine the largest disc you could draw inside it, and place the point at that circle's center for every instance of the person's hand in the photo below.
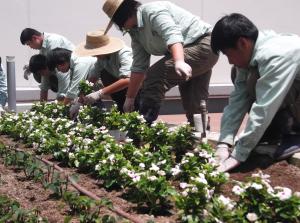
(92, 97)
(128, 104)
(228, 164)
(183, 69)
(74, 109)
(222, 152)
(26, 72)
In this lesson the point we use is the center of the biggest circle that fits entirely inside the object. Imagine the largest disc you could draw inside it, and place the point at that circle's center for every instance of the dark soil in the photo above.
(32, 195)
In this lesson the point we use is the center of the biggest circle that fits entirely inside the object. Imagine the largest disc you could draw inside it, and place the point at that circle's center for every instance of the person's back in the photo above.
(3, 87)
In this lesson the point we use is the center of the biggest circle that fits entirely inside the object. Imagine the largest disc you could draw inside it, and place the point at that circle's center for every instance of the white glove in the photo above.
(92, 97)
(74, 109)
(128, 104)
(222, 152)
(228, 164)
(182, 68)
(26, 72)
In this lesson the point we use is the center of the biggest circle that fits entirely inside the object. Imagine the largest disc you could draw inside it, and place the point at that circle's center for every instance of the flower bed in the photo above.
(159, 167)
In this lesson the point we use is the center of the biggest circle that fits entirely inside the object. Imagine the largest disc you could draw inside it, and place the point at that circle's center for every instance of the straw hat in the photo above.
(98, 44)
(110, 7)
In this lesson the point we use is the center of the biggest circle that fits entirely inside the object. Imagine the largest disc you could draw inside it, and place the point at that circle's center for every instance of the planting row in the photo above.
(161, 167)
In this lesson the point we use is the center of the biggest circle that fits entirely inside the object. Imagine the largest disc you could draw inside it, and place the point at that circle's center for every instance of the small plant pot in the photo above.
(123, 135)
(115, 133)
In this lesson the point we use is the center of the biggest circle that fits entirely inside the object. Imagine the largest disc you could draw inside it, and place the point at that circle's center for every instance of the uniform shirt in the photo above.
(118, 64)
(80, 69)
(50, 42)
(160, 24)
(276, 57)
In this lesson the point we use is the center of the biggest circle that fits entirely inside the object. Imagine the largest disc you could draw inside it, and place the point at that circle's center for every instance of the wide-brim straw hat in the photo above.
(97, 43)
(110, 7)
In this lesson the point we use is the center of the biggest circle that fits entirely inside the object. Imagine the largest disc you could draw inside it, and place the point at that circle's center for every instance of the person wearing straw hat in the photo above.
(45, 42)
(164, 29)
(113, 65)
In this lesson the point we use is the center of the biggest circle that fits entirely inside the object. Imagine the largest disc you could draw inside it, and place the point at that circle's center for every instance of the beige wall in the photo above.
(73, 18)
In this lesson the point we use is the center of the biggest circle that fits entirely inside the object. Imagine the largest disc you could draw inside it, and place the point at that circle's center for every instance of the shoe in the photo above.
(266, 149)
(290, 145)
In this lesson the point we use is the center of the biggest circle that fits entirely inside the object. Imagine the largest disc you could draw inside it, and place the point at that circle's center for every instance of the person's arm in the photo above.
(43, 95)
(136, 80)
(67, 101)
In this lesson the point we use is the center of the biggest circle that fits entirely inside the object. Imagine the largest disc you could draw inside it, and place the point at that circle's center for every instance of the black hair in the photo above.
(229, 29)
(58, 56)
(37, 62)
(127, 9)
(27, 34)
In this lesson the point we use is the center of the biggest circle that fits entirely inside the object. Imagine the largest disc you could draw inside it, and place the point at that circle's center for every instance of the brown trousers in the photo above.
(161, 77)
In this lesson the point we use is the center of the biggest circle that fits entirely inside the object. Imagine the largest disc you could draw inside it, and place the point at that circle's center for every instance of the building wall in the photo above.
(73, 18)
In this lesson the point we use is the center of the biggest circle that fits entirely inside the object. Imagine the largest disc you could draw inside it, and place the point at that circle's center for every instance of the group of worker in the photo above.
(265, 72)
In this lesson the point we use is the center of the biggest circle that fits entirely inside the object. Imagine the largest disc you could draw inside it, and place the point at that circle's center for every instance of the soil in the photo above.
(31, 195)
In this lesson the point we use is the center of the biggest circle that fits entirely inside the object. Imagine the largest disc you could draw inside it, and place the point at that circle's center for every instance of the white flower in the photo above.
(175, 171)
(237, 190)
(154, 167)
(257, 186)
(251, 217)
(183, 185)
(162, 162)
(136, 178)
(190, 154)
(161, 173)
(226, 202)
(152, 178)
(97, 167)
(184, 193)
(71, 156)
(142, 165)
(283, 193)
(297, 194)
(76, 163)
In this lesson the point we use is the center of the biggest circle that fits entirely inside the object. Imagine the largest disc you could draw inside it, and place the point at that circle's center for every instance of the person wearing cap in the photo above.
(266, 78)
(38, 67)
(80, 68)
(113, 65)
(3, 88)
(45, 42)
(164, 29)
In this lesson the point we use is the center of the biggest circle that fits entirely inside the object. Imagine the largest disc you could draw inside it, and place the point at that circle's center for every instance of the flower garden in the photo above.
(163, 173)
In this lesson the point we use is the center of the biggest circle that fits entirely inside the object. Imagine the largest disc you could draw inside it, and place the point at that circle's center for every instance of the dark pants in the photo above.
(162, 76)
(118, 97)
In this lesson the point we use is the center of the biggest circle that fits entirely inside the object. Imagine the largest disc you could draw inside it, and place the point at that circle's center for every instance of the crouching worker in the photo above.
(80, 68)
(113, 65)
(267, 85)
(48, 79)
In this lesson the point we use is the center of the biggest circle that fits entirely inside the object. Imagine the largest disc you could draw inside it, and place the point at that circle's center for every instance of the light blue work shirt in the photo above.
(277, 60)
(81, 68)
(159, 25)
(3, 87)
(118, 64)
(50, 42)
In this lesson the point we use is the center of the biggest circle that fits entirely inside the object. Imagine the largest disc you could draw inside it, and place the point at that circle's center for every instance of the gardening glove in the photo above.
(182, 68)
(26, 72)
(93, 97)
(228, 164)
(128, 104)
(222, 152)
(74, 109)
